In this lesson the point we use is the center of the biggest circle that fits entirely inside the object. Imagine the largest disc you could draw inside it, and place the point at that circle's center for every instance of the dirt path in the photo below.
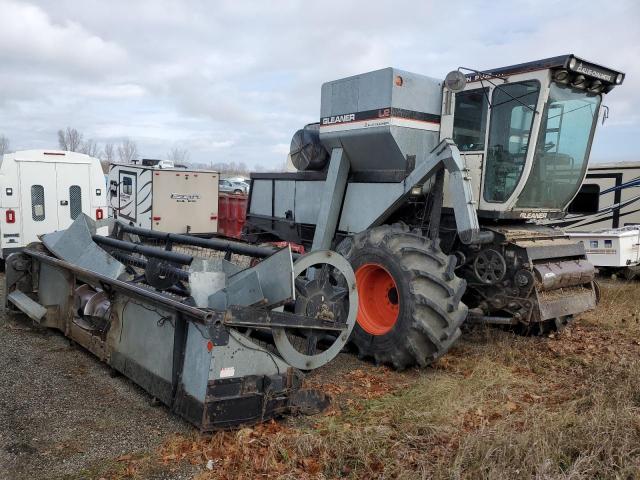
(63, 416)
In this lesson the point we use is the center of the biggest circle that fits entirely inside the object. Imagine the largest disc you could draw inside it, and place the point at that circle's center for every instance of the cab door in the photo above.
(38, 200)
(468, 129)
(73, 192)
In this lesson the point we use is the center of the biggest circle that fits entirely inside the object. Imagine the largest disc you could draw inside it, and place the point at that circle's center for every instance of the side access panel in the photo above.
(298, 202)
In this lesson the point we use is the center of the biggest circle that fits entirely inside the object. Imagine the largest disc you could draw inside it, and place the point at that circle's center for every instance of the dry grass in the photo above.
(498, 406)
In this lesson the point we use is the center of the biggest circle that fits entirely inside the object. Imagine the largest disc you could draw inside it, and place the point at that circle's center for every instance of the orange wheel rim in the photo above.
(378, 303)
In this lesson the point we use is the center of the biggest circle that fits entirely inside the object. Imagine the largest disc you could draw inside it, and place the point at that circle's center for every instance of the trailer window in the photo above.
(587, 200)
(75, 201)
(470, 119)
(127, 186)
(37, 203)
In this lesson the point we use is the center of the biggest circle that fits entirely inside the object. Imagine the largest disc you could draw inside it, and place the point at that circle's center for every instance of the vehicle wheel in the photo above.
(409, 309)
(238, 192)
(629, 273)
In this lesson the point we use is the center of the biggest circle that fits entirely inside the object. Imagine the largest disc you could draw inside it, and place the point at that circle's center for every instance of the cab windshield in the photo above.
(562, 148)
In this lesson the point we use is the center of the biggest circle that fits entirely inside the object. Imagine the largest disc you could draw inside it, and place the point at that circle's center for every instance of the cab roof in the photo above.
(569, 62)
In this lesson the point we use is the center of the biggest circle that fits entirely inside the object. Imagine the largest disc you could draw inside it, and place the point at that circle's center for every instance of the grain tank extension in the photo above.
(429, 189)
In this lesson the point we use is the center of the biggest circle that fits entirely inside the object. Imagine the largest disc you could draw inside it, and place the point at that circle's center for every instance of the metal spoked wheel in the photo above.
(490, 266)
(326, 289)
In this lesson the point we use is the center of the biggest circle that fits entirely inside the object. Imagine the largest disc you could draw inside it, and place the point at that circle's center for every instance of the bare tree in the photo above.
(109, 153)
(127, 151)
(91, 148)
(178, 155)
(238, 168)
(4, 145)
(70, 140)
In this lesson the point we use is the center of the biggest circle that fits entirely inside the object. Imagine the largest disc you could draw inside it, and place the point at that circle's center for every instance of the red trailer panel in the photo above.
(232, 213)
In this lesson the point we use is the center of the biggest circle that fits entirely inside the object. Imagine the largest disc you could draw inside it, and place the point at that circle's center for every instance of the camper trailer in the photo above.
(614, 250)
(174, 200)
(609, 198)
(42, 191)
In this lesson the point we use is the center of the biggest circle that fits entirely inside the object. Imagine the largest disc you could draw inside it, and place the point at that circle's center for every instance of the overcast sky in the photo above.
(233, 80)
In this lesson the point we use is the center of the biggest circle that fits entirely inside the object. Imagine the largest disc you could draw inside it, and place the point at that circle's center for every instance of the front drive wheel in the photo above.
(409, 309)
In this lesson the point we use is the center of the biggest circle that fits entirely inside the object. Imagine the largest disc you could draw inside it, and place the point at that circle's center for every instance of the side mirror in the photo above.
(455, 81)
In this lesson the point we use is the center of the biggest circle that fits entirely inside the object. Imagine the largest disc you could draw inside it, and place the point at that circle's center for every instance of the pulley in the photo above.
(489, 266)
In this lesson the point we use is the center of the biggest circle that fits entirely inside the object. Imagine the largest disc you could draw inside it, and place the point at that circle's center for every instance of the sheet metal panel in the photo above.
(261, 195)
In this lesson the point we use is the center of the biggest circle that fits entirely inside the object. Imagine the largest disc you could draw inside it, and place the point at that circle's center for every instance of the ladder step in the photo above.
(31, 308)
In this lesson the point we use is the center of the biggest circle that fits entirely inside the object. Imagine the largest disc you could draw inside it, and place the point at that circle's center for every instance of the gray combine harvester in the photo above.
(429, 188)
(220, 342)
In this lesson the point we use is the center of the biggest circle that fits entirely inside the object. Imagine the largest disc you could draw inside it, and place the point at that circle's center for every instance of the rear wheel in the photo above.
(409, 309)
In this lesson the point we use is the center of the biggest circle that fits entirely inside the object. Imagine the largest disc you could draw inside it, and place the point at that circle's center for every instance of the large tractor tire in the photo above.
(409, 309)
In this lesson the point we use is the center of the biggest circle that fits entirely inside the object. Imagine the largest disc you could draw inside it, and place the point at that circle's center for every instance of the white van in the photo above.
(42, 191)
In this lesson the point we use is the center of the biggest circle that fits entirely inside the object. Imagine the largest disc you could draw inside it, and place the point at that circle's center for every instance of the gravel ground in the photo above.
(63, 416)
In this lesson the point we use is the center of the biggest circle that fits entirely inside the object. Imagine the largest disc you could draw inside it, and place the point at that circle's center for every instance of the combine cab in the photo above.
(430, 189)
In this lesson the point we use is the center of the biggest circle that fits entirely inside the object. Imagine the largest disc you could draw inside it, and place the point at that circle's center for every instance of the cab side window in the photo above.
(470, 119)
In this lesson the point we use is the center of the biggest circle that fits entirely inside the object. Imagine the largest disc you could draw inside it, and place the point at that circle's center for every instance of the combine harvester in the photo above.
(425, 189)
(428, 188)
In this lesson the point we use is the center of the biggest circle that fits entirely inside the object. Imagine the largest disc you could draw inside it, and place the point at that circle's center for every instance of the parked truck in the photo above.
(429, 189)
(42, 191)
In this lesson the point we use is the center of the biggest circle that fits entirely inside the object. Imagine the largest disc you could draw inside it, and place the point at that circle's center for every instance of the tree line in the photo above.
(72, 140)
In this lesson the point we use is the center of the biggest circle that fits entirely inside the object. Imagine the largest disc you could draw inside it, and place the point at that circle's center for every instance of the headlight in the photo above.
(561, 76)
(572, 63)
(595, 87)
(619, 78)
(579, 81)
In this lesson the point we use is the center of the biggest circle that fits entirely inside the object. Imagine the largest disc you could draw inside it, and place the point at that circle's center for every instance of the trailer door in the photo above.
(38, 204)
(127, 193)
(72, 191)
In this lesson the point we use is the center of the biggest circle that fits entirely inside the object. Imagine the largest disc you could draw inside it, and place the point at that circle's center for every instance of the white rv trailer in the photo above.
(616, 249)
(609, 198)
(173, 200)
(42, 191)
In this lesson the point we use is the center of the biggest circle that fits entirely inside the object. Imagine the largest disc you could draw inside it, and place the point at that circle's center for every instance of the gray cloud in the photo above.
(232, 80)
